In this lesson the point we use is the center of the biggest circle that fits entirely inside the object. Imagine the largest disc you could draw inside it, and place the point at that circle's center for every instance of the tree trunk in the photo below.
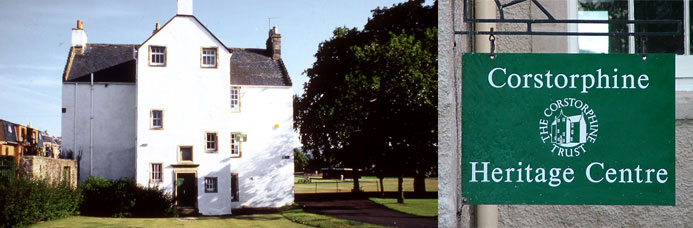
(357, 186)
(419, 183)
(400, 192)
(382, 186)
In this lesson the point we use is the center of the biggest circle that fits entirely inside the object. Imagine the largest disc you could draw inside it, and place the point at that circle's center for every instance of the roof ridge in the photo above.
(285, 72)
(111, 44)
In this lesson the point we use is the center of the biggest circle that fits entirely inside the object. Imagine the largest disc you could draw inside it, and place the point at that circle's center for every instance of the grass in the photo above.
(292, 217)
(258, 220)
(368, 184)
(297, 215)
(418, 207)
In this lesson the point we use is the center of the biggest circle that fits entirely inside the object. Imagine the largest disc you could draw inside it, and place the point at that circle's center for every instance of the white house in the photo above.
(184, 112)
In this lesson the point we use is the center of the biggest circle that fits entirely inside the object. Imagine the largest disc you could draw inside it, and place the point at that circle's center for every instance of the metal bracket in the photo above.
(492, 41)
(552, 20)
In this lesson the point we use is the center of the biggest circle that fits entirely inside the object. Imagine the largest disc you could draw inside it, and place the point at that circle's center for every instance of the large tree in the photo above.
(370, 101)
(300, 161)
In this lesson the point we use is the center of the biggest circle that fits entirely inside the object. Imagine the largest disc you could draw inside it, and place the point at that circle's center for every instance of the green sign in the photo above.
(568, 129)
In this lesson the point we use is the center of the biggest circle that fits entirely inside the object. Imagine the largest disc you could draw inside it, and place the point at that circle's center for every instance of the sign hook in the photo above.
(492, 40)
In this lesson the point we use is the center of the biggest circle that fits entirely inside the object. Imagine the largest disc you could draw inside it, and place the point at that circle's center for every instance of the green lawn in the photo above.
(418, 207)
(292, 217)
(368, 184)
(260, 220)
(299, 216)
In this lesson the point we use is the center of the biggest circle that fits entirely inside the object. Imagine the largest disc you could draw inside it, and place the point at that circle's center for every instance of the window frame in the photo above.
(683, 74)
(180, 154)
(213, 183)
(207, 141)
(234, 137)
(235, 193)
(151, 119)
(164, 55)
(152, 172)
(573, 9)
(203, 55)
(66, 173)
(237, 99)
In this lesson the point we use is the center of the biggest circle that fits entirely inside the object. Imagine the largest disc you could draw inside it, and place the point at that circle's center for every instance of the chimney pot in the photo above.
(80, 25)
(156, 29)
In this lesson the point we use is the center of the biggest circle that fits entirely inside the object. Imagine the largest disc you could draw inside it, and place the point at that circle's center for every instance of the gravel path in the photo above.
(364, 210)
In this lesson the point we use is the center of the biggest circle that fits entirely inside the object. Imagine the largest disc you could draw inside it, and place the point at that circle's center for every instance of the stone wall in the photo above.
(50, 169)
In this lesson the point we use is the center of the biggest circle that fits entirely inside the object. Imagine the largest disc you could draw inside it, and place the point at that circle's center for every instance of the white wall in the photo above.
(194, 100)
(265, 176)
(113, 135)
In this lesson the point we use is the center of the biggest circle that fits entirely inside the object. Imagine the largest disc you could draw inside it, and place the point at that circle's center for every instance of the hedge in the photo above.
(124, 198)
(24, 202)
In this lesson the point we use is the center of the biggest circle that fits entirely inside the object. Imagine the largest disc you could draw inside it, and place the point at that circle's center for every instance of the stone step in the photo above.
(187, 212)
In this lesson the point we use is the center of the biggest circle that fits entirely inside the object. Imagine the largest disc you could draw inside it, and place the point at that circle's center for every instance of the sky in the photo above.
(35, 39)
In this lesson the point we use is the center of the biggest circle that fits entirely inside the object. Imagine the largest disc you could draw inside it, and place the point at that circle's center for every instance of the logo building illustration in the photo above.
(568, 131)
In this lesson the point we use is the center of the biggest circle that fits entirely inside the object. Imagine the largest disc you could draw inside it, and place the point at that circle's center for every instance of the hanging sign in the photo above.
(568, 129)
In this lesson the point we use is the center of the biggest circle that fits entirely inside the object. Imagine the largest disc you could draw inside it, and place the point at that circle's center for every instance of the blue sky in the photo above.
(35, 39)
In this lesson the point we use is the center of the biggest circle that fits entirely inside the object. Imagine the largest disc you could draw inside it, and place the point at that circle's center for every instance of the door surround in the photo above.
(183, 170)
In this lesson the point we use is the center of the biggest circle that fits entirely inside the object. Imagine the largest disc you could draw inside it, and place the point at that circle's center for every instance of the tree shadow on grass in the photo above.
(248, 217)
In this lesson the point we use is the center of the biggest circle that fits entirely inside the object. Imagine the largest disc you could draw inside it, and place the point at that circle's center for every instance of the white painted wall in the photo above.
(113, 130)
(265, 177)
(194, 100)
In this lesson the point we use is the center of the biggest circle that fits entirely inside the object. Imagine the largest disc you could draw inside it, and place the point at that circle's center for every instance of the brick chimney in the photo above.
(79, 38)
(185, 7)
(274, 43)
(156, 29)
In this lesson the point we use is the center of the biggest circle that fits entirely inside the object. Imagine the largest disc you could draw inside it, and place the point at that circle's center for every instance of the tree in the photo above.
(401, 78)
(370, 101)
(300, 161)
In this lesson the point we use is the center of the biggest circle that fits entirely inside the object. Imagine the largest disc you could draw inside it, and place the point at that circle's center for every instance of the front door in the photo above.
(186, 189)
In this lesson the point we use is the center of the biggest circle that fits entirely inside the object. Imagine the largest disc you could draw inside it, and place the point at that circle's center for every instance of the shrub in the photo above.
(124, 198)
(152, 202)
(24, 202)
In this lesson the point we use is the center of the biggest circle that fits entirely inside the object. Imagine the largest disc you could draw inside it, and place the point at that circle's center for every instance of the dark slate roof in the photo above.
(9, 132)
(47, 138)
(256, 67)
(108, 62)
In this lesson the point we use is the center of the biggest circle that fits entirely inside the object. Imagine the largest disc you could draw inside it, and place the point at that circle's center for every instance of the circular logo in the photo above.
(568, 124)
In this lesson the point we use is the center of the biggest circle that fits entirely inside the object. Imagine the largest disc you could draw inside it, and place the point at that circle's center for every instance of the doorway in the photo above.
(186, 190)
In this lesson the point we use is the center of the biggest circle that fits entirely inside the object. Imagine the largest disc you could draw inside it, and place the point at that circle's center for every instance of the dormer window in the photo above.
(157, 56)
(209, 57)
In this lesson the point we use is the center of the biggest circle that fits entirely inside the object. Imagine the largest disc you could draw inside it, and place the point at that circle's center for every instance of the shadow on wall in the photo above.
(105, 165)
(267, 181)
(216, 203)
